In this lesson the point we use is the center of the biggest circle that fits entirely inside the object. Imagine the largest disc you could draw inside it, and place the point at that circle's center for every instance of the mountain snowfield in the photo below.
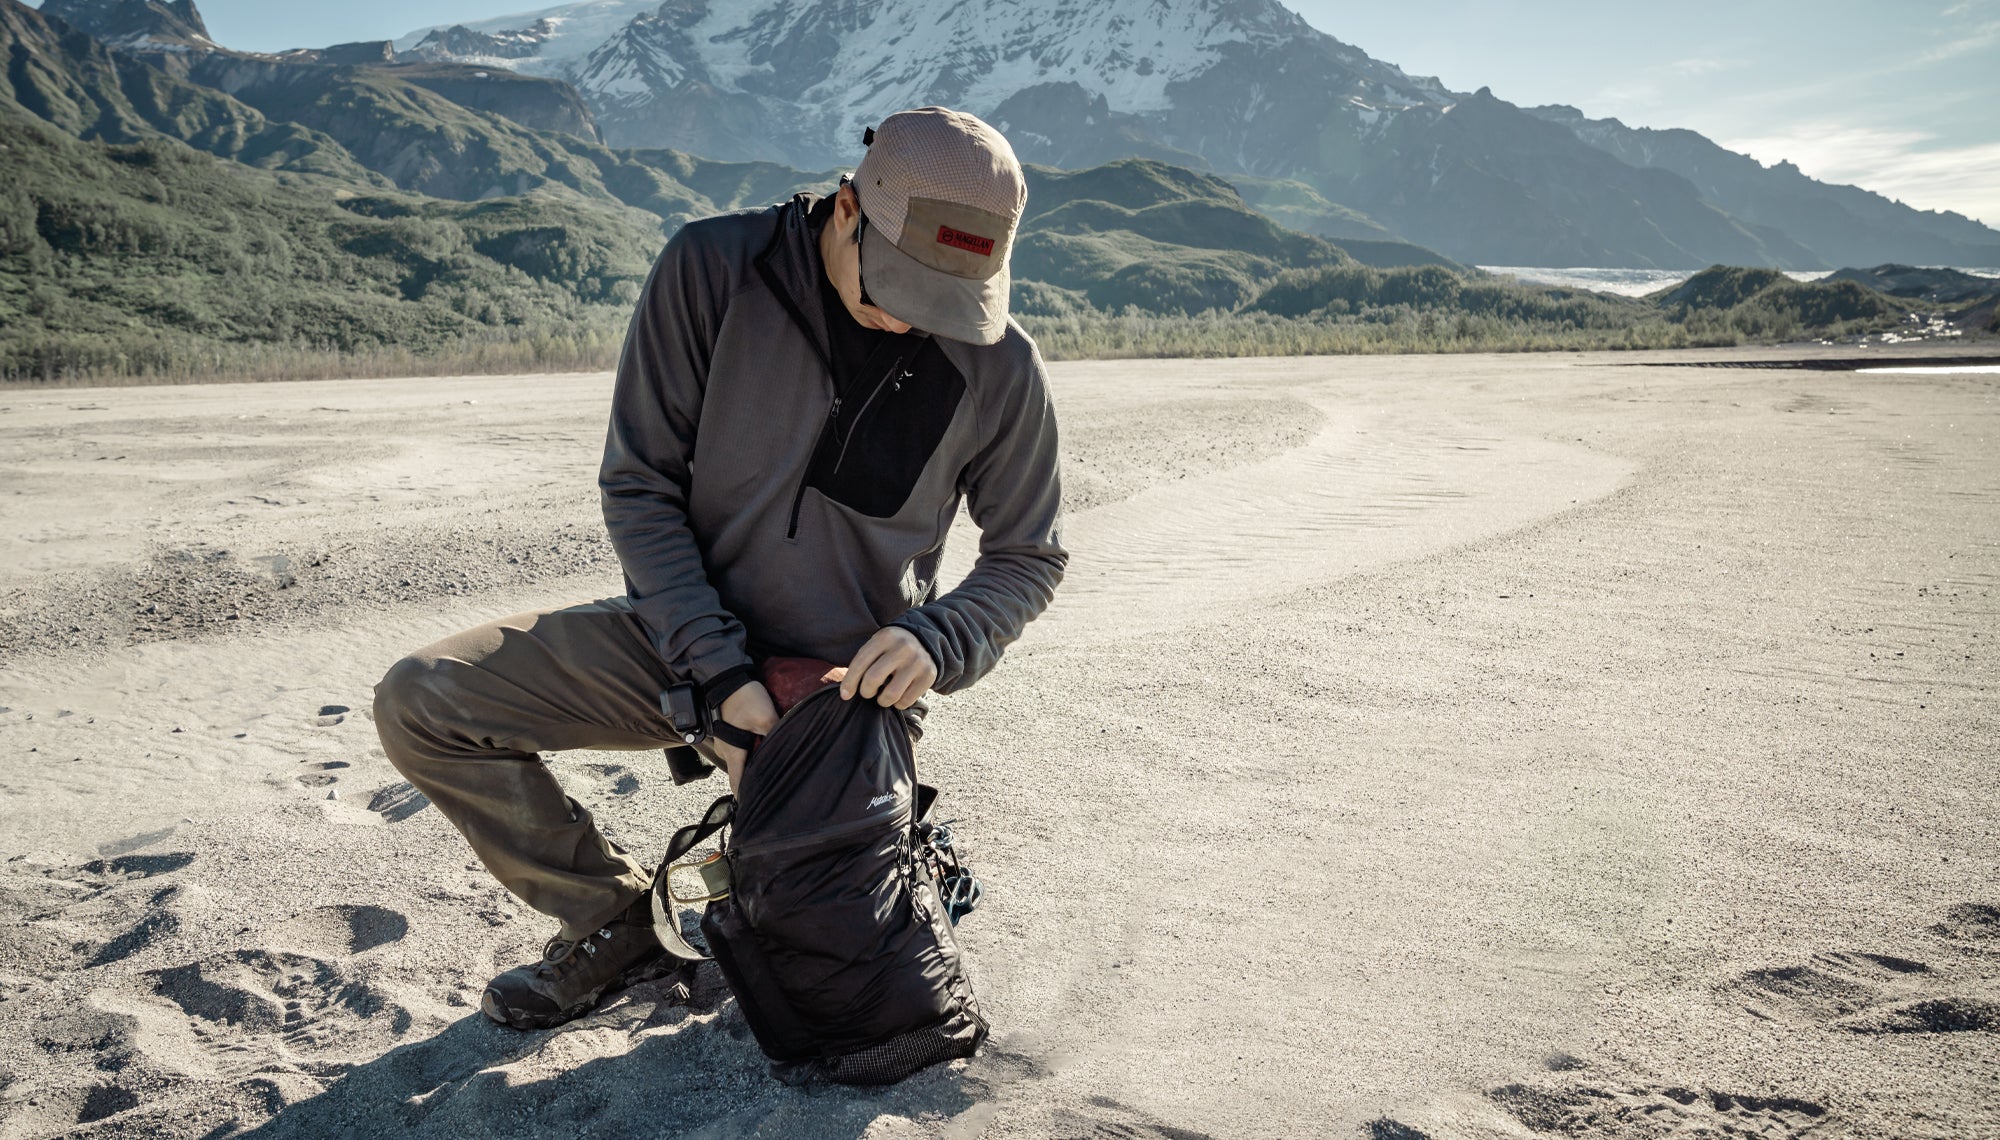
(1238, 87)
(811, 76)
(575, 30)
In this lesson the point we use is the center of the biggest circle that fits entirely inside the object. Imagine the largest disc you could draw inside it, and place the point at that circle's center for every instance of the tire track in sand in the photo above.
(1368, 490)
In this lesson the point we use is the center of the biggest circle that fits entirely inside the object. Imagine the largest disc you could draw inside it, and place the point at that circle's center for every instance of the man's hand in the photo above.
(893, 669)
(750, 709)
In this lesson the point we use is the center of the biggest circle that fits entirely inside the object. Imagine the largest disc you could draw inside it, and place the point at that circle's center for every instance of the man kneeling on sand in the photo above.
(805, 395)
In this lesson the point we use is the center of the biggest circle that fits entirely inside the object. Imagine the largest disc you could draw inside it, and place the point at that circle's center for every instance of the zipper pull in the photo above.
(833, 413)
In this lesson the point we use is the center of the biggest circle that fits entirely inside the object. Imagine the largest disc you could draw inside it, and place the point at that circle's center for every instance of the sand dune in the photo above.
(1470, 747)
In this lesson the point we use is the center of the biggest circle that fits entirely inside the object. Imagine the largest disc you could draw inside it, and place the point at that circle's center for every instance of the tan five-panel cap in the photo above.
(943, 193)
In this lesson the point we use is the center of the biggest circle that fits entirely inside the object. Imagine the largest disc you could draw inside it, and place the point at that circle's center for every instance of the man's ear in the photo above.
(846, 205)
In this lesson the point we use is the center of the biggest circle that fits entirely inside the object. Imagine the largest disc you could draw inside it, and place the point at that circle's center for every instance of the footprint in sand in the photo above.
(1970, 922)
(156, 926)
(1863, 993)
(330, 715)
(1383, 1128)
(623, 781)
(253, 1004)
(322, 775)
(105, 1100)
(1103, 1118)
(128, 867)
(108, 907)
(1830, 985)
(335, 931)
(1650, 1110)
(397, 802)
(1956, 1014)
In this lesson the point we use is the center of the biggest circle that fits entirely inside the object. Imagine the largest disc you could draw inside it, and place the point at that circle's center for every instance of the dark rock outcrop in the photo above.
(363, 52)
(128, 21)
(543, 104)
(1061, 124)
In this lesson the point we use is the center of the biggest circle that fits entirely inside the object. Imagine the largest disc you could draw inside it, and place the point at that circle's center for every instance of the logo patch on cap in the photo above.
(971, 243)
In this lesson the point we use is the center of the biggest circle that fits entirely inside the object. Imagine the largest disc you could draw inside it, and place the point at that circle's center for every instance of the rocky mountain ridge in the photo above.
(1845, 225)
(127, 23)
(171, 35)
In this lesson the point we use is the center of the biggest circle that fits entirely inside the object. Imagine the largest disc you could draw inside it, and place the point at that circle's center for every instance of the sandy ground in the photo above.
(1420, 747)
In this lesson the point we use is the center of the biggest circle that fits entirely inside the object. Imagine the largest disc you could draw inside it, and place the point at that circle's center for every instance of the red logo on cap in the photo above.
(971, 243)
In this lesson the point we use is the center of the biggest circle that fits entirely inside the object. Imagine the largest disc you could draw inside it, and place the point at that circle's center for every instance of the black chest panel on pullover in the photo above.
(894, 397)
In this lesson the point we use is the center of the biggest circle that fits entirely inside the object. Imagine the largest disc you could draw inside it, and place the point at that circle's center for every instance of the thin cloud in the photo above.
(1978, 39)
(1702, 65)
(1903, 164)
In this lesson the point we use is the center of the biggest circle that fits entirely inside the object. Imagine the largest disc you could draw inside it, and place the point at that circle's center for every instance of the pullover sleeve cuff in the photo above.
(950, 666)
(720, 687)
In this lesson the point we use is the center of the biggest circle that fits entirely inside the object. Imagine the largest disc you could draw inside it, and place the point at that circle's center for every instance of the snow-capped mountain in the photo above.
(776, 79)
(1236, 86)
(556, 37)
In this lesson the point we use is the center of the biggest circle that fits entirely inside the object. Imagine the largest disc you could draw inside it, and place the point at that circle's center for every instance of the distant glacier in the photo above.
(1639, 282)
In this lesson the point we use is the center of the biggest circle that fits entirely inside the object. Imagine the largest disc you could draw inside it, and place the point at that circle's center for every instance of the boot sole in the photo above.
(490, 1005)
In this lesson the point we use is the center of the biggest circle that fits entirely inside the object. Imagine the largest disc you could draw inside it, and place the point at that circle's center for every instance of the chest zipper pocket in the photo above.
(896, 374)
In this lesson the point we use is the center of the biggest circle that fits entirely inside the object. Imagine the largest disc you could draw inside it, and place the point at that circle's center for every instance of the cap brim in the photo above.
(938, 303)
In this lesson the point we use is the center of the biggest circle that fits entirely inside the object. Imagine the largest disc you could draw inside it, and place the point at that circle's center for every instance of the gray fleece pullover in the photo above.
(761, 507)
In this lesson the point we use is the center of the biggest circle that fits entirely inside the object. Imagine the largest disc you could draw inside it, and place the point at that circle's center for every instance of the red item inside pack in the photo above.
(793, 679)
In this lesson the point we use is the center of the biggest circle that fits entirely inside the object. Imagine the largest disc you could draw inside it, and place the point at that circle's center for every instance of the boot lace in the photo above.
(561, 958)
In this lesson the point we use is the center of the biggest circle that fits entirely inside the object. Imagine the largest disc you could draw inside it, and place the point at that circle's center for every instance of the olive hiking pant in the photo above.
(465, 721)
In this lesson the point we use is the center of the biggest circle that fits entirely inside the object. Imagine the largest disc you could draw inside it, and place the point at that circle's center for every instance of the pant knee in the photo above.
(407, 703)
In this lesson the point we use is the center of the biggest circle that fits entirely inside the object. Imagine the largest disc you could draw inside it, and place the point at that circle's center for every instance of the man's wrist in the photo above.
(921, 634)
(723, 685)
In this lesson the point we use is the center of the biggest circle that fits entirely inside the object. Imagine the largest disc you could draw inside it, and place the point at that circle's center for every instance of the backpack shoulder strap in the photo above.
(719, 815)
(666, 926)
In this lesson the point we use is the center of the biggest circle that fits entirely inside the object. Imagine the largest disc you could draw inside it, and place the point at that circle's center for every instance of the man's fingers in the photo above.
(912, 674)
(851, 684)
(879, 672)
(916, 679)
(903, 693)
(892, 669)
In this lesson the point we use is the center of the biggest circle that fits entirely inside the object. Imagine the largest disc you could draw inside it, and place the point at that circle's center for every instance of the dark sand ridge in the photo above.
(1446, 802)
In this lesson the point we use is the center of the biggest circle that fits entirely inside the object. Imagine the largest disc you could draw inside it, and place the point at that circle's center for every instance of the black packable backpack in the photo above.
(824, 907)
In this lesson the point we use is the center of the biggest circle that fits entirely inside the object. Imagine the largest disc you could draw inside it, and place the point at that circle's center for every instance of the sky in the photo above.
(1899, 96)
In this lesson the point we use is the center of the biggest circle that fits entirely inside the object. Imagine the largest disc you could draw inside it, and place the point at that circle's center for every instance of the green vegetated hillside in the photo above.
(329, 220)
(78, 85)
(152, 258)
